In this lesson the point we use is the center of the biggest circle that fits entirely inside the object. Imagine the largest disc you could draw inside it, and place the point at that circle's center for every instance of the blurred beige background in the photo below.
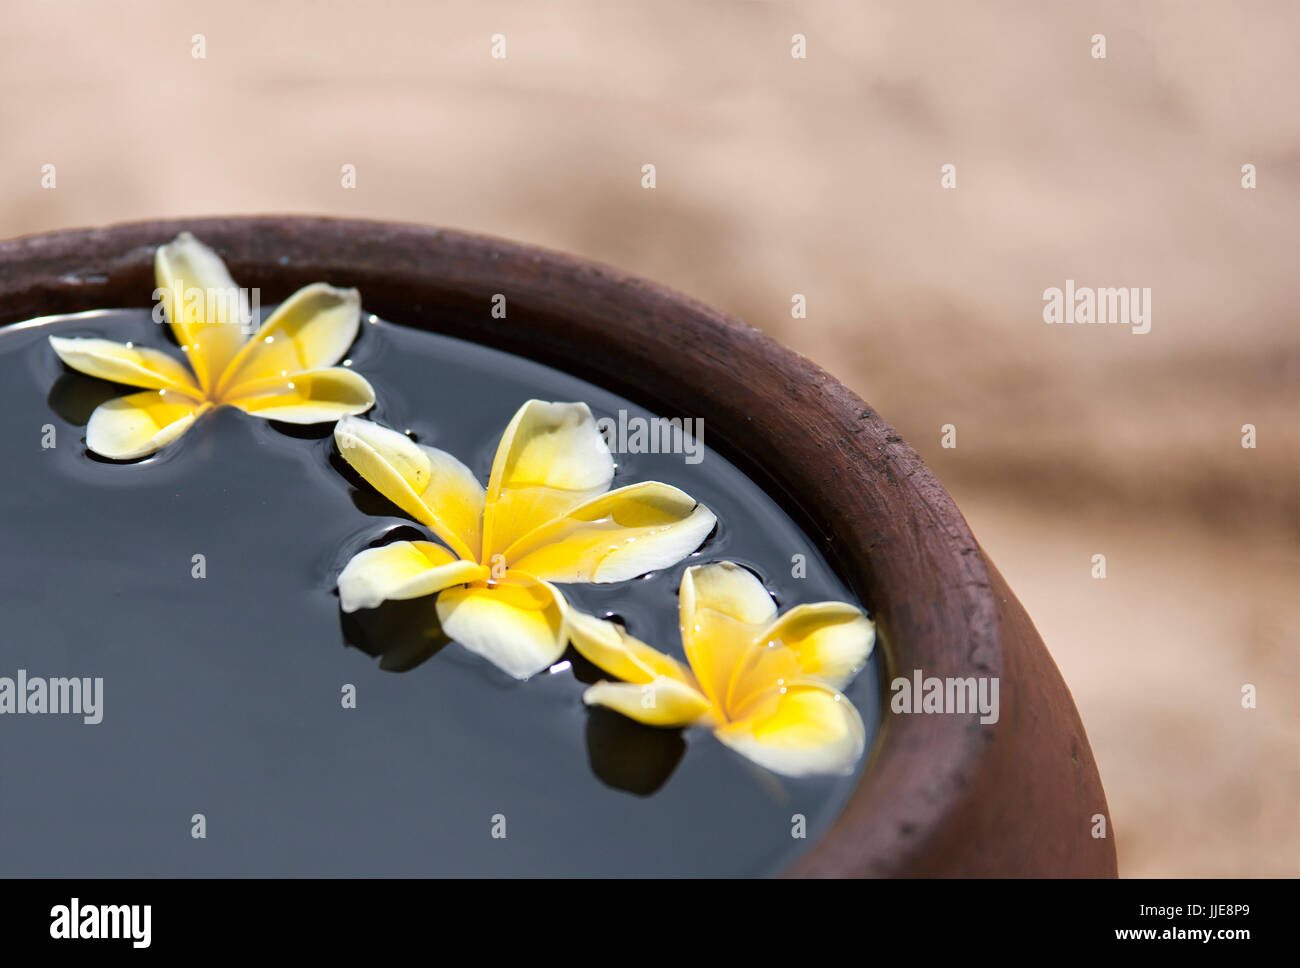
(822, 177)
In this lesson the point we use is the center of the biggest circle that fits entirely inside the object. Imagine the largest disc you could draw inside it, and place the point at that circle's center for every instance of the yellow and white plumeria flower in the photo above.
(284, 372)
(547, 515)
(768, 686)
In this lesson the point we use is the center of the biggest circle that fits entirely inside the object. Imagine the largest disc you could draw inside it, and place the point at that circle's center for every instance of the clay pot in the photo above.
(942, 794)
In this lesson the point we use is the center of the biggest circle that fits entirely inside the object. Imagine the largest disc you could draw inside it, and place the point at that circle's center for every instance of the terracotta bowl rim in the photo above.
(885, 522)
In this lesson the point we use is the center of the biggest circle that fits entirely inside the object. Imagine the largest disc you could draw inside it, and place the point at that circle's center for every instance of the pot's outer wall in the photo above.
(942, 793)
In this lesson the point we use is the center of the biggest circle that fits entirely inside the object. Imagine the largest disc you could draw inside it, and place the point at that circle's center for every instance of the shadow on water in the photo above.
(364, 497)
(316, 431)
(622, 753)
(401, 635)
(629, 756)
(74, 396)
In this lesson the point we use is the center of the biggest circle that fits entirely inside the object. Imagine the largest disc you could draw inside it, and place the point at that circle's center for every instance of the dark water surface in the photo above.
(221, 695)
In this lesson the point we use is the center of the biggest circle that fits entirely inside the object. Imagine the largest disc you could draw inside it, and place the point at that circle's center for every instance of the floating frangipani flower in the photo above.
(547, 515)
(767, 686)
(284, 372)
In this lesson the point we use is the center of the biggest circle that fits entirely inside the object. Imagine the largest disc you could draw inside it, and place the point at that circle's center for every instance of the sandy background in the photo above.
(822, 176)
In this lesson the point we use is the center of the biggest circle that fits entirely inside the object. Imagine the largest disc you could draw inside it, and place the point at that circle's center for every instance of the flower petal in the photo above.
(660, 702)
(761, 668)
(455, 496)
(136, 425)
(390, 462)
(137, 366)
(401, 570)
(722, 608)
(311, 329)
(211, 317)
(429, 484)
(516, 623)
(802, 728)
(608, 646)
(616, 536)
(551, 458)
(726, 587)
(313, 396)
(832, 640)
